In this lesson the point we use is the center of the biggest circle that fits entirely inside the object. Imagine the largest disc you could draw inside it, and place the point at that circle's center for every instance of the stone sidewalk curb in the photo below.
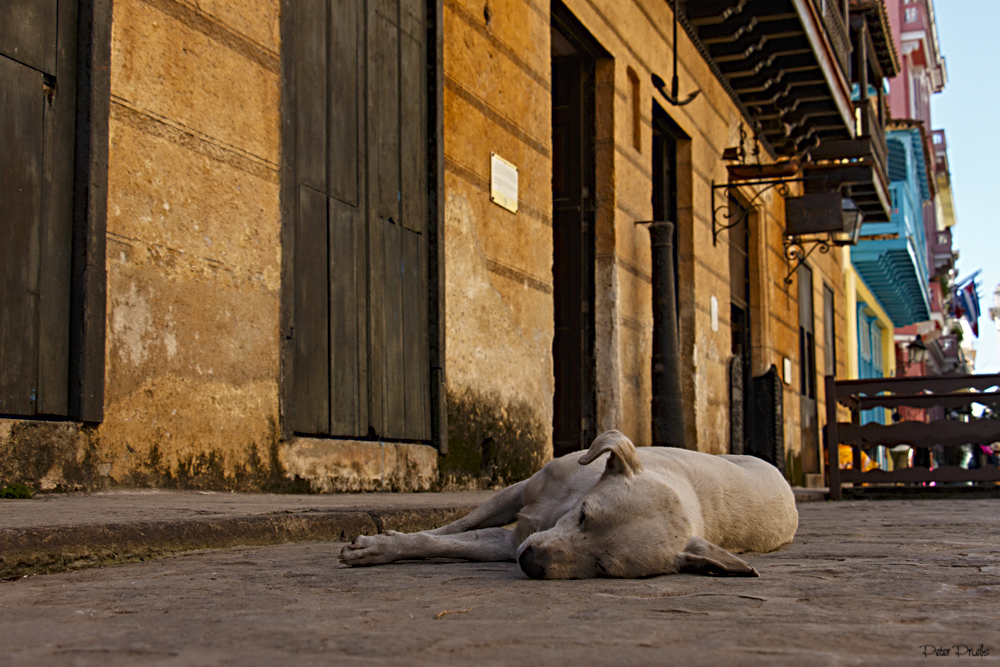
(56, 548)
(810, 495)
(49, 549)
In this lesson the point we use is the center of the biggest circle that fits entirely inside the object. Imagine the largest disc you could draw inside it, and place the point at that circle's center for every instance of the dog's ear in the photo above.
(624, 460)
(702, 557)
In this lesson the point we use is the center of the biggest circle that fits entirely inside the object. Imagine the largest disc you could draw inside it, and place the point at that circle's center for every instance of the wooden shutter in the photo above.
(397, 168)
(829, 332)
(361, 353)
(574, 421)
(330, 393)
(311, 391)
(348, 326)
(37, 115)
(807, 338)
(21, 113)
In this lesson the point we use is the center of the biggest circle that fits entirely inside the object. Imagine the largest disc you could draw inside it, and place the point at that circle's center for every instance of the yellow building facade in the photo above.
(508, 156)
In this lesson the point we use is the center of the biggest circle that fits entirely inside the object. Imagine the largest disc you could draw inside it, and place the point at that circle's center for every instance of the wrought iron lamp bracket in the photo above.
(795, 251)
(781, 184)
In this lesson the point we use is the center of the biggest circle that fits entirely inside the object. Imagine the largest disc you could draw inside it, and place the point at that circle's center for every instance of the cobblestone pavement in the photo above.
(864, 583)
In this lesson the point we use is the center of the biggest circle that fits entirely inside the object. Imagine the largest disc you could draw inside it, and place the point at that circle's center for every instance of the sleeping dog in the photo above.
(650, 511)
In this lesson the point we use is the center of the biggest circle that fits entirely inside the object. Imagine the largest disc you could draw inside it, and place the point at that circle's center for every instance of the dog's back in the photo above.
(745, 502)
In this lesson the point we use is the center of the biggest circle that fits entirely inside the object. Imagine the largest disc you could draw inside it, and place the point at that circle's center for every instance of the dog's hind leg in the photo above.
(500, 510)
(489, 544)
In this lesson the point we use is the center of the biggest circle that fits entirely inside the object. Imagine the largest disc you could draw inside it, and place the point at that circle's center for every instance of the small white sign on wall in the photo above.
(787, 363)
(503, 183)
(714, 310)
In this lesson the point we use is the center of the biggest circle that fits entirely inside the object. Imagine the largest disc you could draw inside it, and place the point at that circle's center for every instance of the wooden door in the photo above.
(739, 319)
(37, 115)
(807, 373)
(360, 323)
(829, 332)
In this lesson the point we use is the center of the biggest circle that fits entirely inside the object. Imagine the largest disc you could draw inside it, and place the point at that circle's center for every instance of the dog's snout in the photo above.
(531, 566)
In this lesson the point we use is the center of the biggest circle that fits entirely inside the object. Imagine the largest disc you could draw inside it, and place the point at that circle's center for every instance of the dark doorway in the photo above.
(359, 207)
(574, 57)
(807, 372)
(665, 136)
(829, 332)
(739, 317)
(668, 414)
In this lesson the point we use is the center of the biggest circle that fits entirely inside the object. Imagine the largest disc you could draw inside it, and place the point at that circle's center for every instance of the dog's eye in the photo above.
(583, 516)
(601, 570)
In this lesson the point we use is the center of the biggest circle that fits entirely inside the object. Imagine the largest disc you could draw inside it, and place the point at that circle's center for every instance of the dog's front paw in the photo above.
(368, 550)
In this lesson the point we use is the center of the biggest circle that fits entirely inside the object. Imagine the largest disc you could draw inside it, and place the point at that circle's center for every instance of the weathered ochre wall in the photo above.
(498, 97)
(193, 271)
(499, 309)
(194, 275)
(193, 256)
(778, 319)
(638, 37)
(498, 265)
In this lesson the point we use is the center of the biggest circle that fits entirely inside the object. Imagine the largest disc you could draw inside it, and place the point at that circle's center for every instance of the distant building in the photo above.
(924, 73)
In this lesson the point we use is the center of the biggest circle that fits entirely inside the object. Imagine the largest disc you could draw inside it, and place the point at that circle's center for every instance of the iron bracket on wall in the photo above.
(673, 96)
(723, 209)
(795, 251)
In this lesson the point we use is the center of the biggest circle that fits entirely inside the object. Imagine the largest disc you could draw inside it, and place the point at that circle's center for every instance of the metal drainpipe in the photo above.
(668, 401)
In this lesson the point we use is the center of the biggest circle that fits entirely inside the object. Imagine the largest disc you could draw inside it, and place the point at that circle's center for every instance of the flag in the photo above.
(965, 302)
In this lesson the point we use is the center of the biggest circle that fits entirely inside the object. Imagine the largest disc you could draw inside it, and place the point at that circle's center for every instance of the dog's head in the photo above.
(630, 524)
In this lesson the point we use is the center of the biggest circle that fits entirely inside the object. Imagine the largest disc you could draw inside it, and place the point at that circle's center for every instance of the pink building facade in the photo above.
(923, 73)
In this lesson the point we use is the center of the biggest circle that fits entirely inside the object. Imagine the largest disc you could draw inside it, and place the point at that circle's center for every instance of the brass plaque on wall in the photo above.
(503, 183)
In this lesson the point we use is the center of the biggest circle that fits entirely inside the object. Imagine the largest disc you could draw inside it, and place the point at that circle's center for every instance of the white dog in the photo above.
(653, 510)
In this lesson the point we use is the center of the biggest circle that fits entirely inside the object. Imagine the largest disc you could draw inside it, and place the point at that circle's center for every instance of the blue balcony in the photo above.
(893, 259)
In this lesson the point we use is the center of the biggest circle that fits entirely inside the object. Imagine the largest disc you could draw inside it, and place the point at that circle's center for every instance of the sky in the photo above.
(965, 110)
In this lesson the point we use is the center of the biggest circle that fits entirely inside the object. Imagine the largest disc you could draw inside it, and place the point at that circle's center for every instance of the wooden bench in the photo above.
(951, 393)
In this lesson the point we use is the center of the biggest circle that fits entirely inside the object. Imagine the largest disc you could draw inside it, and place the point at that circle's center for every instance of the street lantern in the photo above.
(853, 217)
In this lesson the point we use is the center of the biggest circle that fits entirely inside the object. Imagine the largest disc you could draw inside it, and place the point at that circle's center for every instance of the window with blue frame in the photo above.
(870, 358)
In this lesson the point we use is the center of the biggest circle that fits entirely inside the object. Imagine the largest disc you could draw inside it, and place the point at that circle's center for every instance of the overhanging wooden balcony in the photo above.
(859, 165)
(788, 65)
(785, 62)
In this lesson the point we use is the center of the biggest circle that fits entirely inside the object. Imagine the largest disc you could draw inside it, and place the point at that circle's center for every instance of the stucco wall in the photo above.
(638, 36)
(194, 276)
(194, 255)
(499, 308)
(781, 342)
(498, 264)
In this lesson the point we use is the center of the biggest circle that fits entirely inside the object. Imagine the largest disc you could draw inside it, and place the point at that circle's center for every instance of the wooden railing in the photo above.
(956, 393)
(872, 127)
(836, 29)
